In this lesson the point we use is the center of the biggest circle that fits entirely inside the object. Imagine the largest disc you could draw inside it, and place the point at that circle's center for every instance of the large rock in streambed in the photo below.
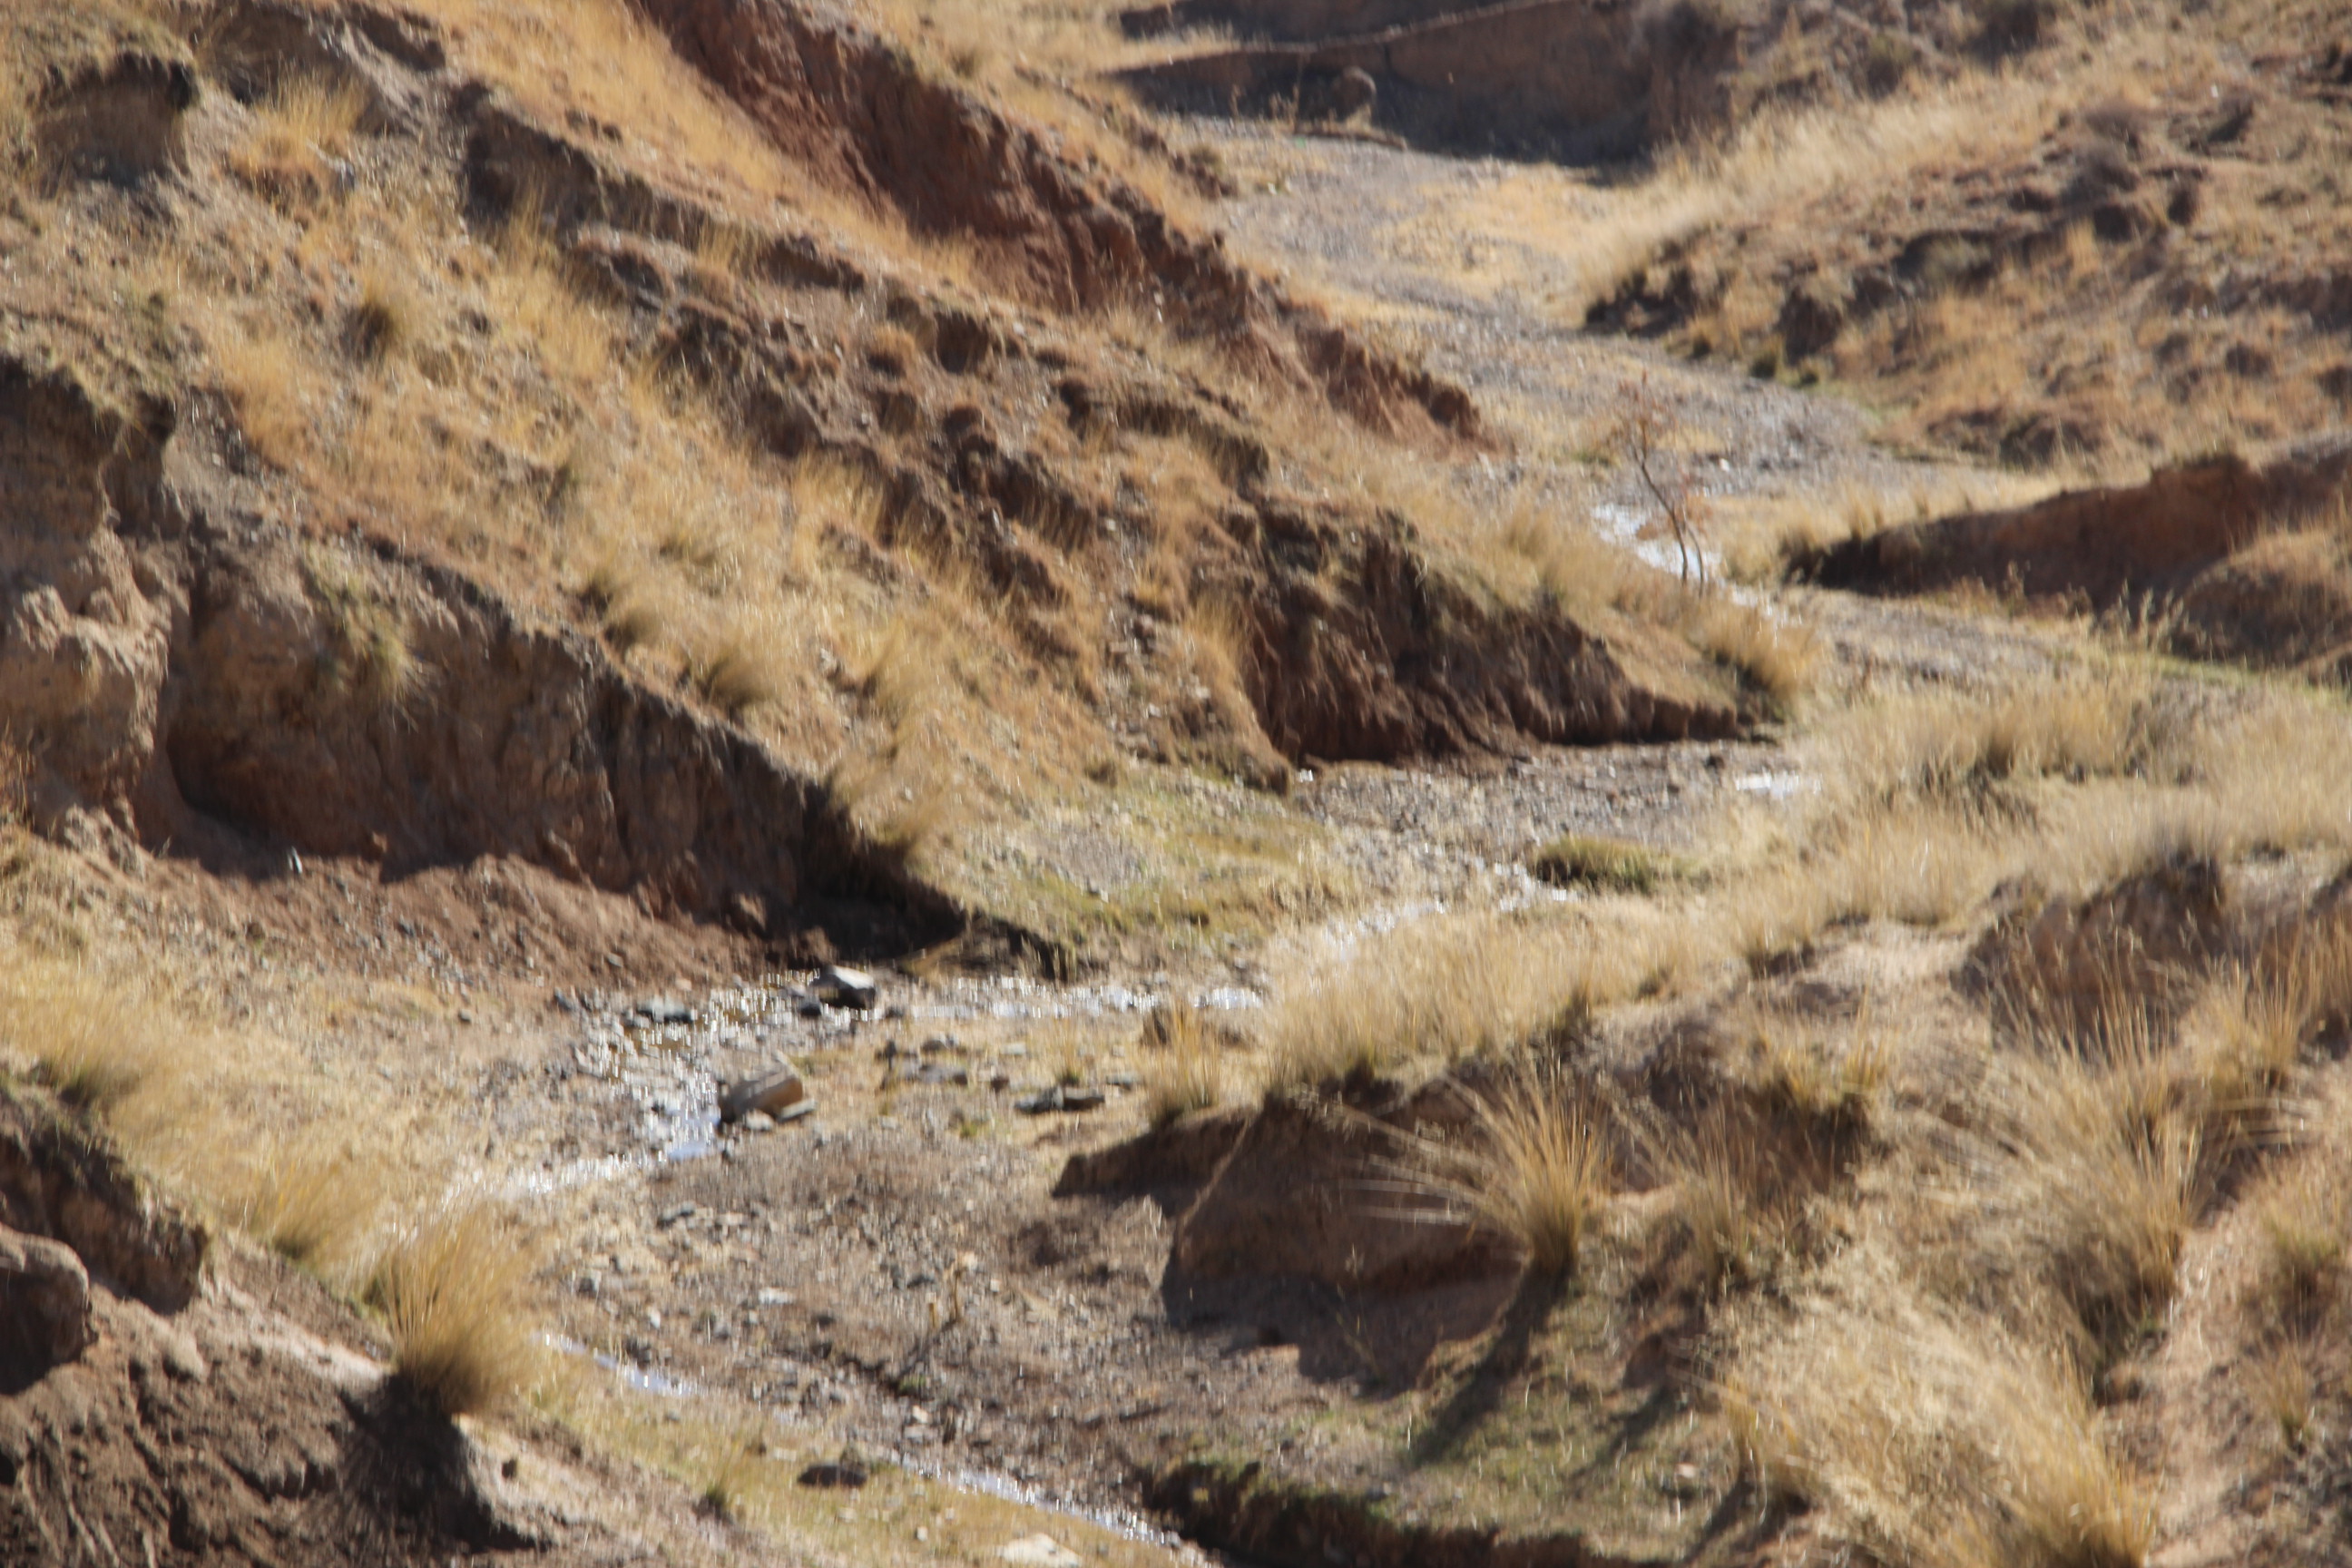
(1315, 1189)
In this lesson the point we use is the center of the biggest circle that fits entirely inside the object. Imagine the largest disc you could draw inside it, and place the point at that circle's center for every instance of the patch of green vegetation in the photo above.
(1193, 864)
(1611, 865)
(1540, 1429)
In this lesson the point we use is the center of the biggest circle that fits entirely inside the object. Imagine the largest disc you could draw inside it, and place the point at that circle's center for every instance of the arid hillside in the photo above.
(1272, 783)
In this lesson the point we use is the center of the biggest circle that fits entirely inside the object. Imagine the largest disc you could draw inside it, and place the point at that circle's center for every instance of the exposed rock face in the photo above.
(1407, 663)
(43, 1306)
(512, 741)
(57, 1181)
(83, 642)
(157, 660)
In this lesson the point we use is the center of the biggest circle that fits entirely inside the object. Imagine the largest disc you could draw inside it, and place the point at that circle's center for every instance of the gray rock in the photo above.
(44, 1303)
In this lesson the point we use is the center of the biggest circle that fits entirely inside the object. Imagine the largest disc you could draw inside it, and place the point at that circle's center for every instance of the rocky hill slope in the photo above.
(773, 786)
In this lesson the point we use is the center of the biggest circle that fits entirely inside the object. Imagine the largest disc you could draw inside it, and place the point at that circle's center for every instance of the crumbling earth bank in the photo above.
(152, 1413)
(168, 660)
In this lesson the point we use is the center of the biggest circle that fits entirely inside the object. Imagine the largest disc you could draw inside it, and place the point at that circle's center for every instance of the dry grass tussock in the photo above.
(304, 127)
(88, 1035)
(319, 1202)
(1535, 1165)
(1937, 1440)
(1773, 657)
(451, 1286)
(147, 1069)
(1442, 988)
(1928, 800)
(1611, 865)
(193, 1107)
(1185, 1071)
(2303, 1239)
(2086, 1168)
(1940, 745)
(1927, 803)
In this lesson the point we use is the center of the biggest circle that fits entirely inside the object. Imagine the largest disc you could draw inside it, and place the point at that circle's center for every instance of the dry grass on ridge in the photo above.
(2074, 329)
(708, 565)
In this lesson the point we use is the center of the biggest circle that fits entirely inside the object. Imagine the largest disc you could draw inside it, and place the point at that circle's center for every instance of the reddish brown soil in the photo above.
(2097, 545)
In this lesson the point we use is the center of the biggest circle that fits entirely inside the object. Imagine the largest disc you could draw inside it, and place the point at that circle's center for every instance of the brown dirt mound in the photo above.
(208, 1419)
(1303, 1192)
(2059, 961)
(2100, 546)
(2282, 601)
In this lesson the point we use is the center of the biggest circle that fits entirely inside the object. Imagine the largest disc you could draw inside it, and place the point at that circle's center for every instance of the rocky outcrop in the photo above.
(44, 1307)
(84, 641)
(58, 1182)
(1405, 662)
(162, 658)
